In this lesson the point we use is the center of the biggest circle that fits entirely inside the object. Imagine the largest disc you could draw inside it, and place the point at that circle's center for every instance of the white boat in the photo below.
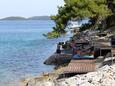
(72, 24)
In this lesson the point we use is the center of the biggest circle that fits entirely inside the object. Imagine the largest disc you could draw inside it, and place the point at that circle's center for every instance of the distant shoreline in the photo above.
(30, 18)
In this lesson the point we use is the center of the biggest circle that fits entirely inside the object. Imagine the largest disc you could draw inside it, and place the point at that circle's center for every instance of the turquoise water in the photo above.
(23, 49)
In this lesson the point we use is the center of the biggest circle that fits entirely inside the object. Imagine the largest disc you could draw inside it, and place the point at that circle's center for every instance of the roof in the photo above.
(80, 66)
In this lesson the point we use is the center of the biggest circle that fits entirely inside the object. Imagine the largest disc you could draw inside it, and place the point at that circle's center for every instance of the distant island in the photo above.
(39, 18)
(30, 18)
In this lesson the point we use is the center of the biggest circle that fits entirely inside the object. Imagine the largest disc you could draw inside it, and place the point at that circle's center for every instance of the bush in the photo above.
(53, 34)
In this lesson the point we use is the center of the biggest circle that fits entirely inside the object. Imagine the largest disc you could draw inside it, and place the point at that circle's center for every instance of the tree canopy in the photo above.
(95, 10)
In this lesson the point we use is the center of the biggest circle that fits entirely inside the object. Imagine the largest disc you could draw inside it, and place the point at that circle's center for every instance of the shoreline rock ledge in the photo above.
(58, 59)
(104, 76)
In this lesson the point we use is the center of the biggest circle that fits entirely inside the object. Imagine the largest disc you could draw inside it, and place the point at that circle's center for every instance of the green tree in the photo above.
(95, 10)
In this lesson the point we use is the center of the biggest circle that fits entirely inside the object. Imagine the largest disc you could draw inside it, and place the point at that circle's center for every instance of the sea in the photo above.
(23, 49)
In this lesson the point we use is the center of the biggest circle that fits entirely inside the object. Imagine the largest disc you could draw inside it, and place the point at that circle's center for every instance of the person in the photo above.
(58, 51)
(77, 55)
(80, 53)
(64, 46)
(73, 46)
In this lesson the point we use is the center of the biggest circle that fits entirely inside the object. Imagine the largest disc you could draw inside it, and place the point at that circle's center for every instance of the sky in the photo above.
(28, 8)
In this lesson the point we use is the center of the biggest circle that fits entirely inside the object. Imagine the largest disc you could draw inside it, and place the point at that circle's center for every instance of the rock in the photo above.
(40, 83)
(62, 84)
(104, 76)
(71, 81)
(108, 82)
(104, 68)
(45, 83)
(58, 59)
(86, 84)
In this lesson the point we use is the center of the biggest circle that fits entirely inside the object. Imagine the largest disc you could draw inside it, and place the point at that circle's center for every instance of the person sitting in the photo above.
(83, 54)
(73, 46)
(77, 55)
(58, 51)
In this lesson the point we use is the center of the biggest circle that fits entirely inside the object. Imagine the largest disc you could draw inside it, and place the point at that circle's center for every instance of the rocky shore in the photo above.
(104, 76)
(58, 59)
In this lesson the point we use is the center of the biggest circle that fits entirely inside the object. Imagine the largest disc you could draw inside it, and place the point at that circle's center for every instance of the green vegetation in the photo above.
(95, 10)
(52, 34)
(39, 18)
(31, 18)
(14, 18)
(110, 20)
